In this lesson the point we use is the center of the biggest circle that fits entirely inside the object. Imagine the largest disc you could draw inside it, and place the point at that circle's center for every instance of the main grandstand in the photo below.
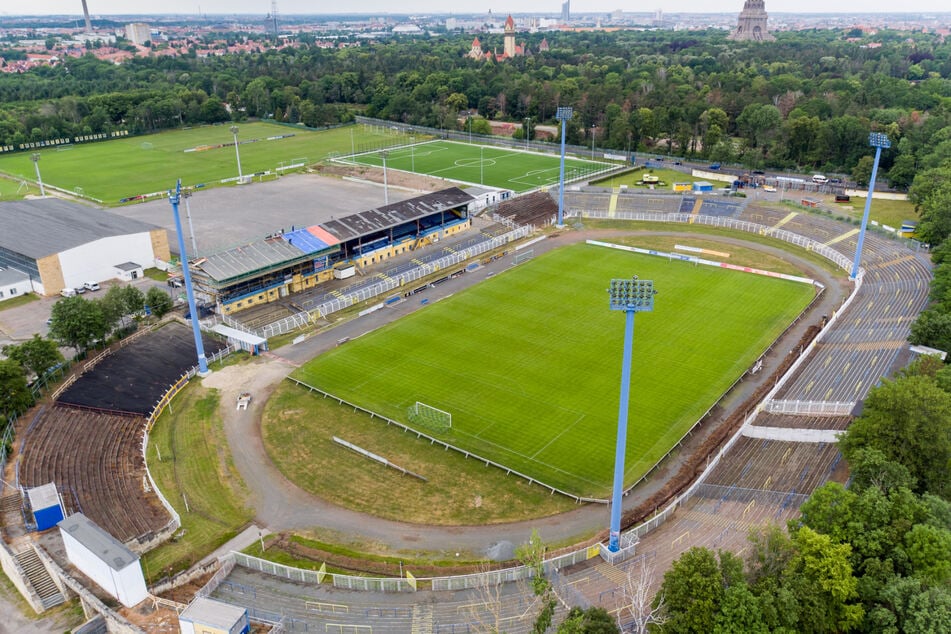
(298, 259)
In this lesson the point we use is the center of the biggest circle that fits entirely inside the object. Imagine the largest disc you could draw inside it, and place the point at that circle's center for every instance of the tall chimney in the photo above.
(86, 15)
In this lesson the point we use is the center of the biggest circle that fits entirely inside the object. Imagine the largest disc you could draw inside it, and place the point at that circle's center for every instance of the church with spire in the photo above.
(509, 47)
(751, 25)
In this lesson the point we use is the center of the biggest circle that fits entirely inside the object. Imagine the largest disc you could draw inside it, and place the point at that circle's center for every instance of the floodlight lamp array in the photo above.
(564, 113)
(879, 139)
(632, 294)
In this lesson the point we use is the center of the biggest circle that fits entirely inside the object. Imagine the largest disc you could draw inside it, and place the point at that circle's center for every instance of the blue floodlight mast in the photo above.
(174, 198)
(563, 114)
(877, 140)
(631, 296)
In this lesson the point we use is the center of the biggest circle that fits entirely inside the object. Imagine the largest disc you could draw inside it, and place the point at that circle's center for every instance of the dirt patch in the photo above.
(394, 178)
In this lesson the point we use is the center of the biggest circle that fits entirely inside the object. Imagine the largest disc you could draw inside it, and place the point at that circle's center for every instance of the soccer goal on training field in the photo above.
(430, 417)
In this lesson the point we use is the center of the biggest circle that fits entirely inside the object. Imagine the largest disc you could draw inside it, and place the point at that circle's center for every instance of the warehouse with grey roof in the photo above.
(60, 244)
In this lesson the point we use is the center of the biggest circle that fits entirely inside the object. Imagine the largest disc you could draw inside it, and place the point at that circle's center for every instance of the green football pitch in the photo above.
(528, 362)
(112, 170)
(507, 168)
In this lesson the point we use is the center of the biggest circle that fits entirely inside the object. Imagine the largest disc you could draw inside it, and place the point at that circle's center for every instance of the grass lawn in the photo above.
(132, 166)
(528, 363)
(298, 428)
(20, 300)
(886, 212)
(507, 168)
(195, 466)
(10, 189)
(667, 176)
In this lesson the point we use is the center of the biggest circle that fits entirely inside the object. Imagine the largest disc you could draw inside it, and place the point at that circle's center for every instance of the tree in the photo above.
(909, 421)
(158, 301)
(532, 555)
(77, 322)
(932, 328)
(694, 587)
(594, 620)
(120, 302)
(862, 172)
(36, 356)
(821, 578)
(903, 171)
(15, 394)
(757, 122)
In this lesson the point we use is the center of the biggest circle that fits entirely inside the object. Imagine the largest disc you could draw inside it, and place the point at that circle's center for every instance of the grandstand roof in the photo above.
(367, 222)
(100, 543)
(251, 257)
(284, 248)
(38, 228)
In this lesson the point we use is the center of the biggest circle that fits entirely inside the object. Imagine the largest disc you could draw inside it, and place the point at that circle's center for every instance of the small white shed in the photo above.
(46, 506)
(207, 616)
(128, 271)
(104, 559)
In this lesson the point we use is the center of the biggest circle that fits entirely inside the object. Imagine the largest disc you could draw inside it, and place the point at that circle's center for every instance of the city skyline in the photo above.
(499, 7)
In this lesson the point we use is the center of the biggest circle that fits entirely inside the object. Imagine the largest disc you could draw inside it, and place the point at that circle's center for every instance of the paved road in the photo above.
(280, 505)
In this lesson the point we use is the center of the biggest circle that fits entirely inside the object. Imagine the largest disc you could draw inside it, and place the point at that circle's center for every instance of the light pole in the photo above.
(563, 114)
(35, 157)
(174, 197)
(470, 128)
(631, 296)
(592, 142)
(412, 153)
(353, 149)
(191, 230)
(481, 165)
(386, 190)
(877, 140)
(237, 154)
(528, 130)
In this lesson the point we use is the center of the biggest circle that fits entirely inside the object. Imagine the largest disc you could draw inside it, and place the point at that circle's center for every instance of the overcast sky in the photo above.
(121, 7)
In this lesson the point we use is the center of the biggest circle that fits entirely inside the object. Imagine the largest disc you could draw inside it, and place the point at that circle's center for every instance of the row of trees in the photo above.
(809, 99)
(78, 323)
(875, 557)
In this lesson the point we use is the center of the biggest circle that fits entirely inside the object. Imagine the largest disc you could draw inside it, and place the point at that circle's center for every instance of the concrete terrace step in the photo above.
(39, 578)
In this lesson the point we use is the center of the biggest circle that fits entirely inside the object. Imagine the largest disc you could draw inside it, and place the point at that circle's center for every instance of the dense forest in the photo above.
(806, 101)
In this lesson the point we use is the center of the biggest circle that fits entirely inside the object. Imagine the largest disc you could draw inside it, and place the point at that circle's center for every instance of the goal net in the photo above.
(427, 416)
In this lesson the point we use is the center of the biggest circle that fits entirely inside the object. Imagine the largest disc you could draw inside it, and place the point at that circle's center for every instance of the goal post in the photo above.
(430, 417)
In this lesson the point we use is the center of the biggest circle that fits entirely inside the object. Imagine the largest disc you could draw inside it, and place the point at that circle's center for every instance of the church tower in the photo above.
(752, 23)
(508, 48)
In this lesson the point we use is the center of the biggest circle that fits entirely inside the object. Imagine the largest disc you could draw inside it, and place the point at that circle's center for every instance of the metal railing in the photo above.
(810, 408)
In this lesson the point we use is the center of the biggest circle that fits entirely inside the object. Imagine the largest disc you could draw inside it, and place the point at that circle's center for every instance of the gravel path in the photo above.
(281, 505)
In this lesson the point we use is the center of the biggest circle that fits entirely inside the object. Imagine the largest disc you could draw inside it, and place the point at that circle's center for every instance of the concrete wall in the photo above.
(96, 261)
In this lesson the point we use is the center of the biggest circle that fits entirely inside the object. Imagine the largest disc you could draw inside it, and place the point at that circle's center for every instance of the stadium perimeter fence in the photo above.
(631, 537)
(545, 147)
(362, 292)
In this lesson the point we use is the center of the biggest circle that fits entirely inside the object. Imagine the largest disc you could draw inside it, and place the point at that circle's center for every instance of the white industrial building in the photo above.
(104, 559)
(14, 283)
(60, 244)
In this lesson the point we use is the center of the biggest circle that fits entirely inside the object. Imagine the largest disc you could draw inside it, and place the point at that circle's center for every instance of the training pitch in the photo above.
(528, 363)
(123, 168)
(506, 168)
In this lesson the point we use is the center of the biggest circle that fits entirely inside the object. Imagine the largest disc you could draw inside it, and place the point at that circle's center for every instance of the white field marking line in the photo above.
(557, 436)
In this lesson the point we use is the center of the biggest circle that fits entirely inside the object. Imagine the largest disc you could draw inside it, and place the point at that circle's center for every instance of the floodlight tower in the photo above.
(237, 153)
(563, 114)
(631, 296)
(877, 140)
(174, 197)
(35, 157)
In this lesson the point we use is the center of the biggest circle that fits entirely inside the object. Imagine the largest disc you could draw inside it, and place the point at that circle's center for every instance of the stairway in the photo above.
(39, 578)
(422, 619)
(10, 509)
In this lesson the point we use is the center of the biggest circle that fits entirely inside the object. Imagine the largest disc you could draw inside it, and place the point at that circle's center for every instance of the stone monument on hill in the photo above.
(752, 23)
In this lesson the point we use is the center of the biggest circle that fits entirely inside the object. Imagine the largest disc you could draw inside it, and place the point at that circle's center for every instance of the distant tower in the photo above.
(508, 48)
(752, 23)
(565, 11)
(274, 17)
(86, 15)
